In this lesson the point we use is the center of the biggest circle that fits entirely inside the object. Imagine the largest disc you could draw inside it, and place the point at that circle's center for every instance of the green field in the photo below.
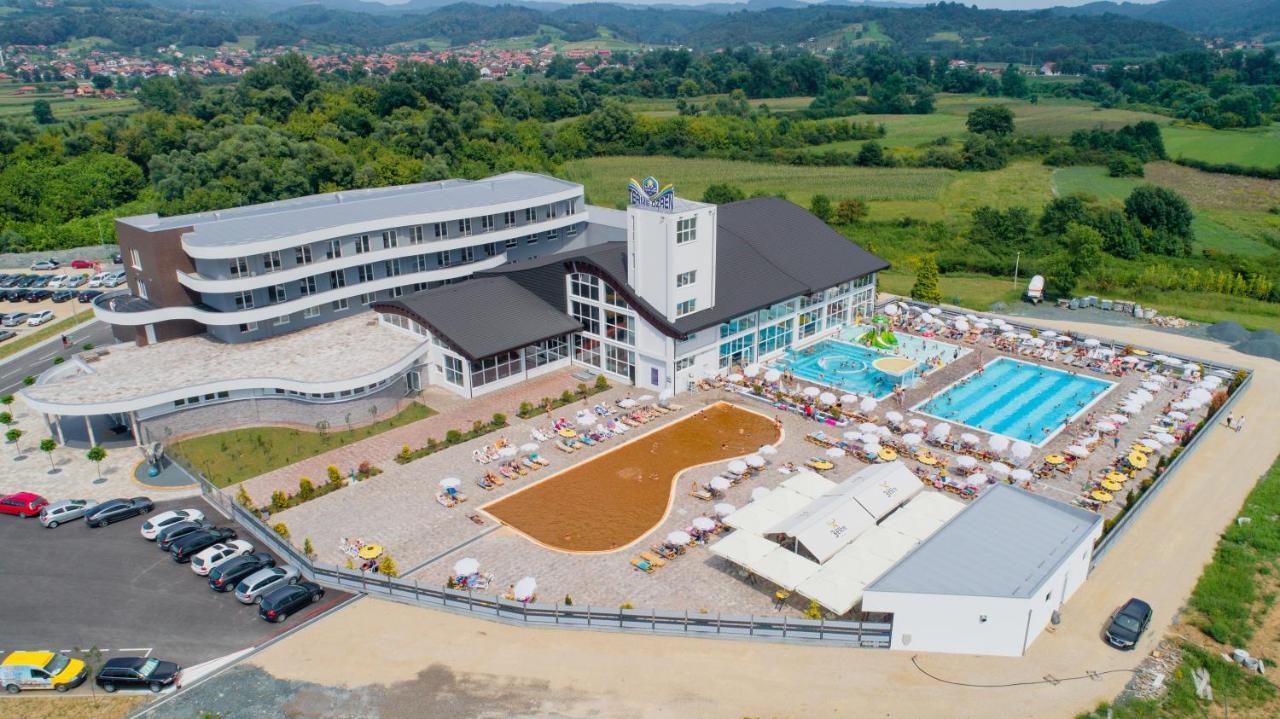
(1092, 181)
(663, 107)
(81, 108)
(1258, 147)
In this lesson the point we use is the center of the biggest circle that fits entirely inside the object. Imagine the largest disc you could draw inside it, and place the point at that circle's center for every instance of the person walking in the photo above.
(65, 341)
(1229, 417)
(1239, 423)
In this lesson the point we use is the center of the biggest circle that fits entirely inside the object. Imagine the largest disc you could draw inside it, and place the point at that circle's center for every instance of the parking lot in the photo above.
(16, 283)
(75, 587)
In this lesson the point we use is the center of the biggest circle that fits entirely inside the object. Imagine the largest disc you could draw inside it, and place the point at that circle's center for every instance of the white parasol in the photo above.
(835, 453)
(465, 567)
(964, 461)
(703, 524)
(872, 449)
(759, 493)
(772, 375)
(935, 311)
(627, 403)
(1165, 438)
(719, 484)
(917, 423)
(450, 483)
(848, 399)
(827, 398)
(1020, 450)
(1149, 442)
(767, 449)
(1076, 450)
(867, 427)
(525, 589)
(1151, 386)
(1000, 469)
(940, 431)
(893, 417)
(735, 378)
(1178, 416)
(751, 370)
(998, 443)
(911, 439)
(969, 440)
(812, 391)
(852, 434)
(1091, 342)
(977, 478)
(679, 538)
(754, 460)
(529, 447)
(867, 405)
(737, 466)
(1020, 475)
(1105, 426)
(724, 509)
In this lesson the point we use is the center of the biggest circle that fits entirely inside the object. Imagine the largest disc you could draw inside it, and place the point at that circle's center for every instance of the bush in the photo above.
(566, 397)
(405, 454)
(281, 529)
(334, 474)
(387, 566)
(309, 550)
(367, 470)
(453, 436)
(477, 427)
(279, 501)
(305, 489)
(499, 419)
(526, 409)
(243, 499)
(602, 384)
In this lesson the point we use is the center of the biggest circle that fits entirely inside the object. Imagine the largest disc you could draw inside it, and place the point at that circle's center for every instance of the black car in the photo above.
(278, 604)
(170, 534)
(15, 295)
(1128, 624)
(63, 295)
(116, 259)
(7, 335)
(88, 295)
(28, 280)
(225, 576)
(185, 547)
(114, 510)
(135, 672)
(38, 295)
(42, 281)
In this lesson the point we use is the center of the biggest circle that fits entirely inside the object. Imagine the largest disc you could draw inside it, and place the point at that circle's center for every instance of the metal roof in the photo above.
(253, 223)
(483, 316)
(1005, 544)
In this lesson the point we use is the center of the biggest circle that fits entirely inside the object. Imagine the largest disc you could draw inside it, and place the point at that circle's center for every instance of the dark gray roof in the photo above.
(483, 316)
(1005, 544)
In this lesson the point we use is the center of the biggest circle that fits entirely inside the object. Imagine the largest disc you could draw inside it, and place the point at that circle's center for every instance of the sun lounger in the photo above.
(494, 478)
(702, 494)
(653, 559)
(486, 484)
(538, 459)
(642, 565)
(663, 550)
(564, 446)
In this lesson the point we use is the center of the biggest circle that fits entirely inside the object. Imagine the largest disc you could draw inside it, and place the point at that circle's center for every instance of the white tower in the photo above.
(671, 250)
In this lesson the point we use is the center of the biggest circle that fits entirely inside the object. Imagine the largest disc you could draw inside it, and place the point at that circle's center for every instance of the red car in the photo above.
(23, 504)
(82, 264)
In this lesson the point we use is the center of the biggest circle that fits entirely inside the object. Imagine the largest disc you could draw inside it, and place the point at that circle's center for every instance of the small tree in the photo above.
(308, 550)
(387, 566)
(13, 435)
(526, 408)
(6, 400)
(566, 397)
(47, 445)
(721, 193)
(305, 488)
(334, 474)
(6, 418)
(96, 454)
(926, 287)
(820, 205)
(499, 419)
(849, 212)
(602, 384)
(477, 426)
(29, 380)
(279, 501)
(42, 111)
(453, 436)
(990, 120)
(322, 428)
(813, 611)
(281, 529)
(243, 499)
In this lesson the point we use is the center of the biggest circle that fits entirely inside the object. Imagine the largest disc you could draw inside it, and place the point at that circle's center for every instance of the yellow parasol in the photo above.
(371, 551)
(1101, 496)
(927, 459)
(1139, 352)
(1055, 459)
(1117, 477)
(888, 454)
(1139, 461)
(1111, 486)
(566, 432)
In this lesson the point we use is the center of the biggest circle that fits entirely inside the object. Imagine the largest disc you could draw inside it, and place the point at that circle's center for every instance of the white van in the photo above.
(96, 280)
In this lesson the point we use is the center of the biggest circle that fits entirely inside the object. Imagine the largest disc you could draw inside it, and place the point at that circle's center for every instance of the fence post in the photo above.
(686, 621)
(859, 633)
(417, 594)
(751, 625)
(822, 625)
(588, 615)
(717, 622)
(364, 581)
(653, 619)
(557, 612)
(784, 626)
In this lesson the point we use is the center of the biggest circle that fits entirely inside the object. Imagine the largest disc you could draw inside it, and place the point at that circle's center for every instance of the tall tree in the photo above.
(990, 120)
(42, 112)
(926, 287)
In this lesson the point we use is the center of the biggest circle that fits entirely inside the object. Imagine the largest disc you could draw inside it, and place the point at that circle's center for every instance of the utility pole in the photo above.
(1017, 261)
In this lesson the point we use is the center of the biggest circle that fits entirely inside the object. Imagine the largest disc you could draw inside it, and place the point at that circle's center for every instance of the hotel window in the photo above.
(512, 242)
(492, 369)
(530, 214)
(464, 226)
(738, 324)
(362, 244)
(737, 351)
(136, 259)
(619, 361)
(468, 254)
(588, 315)
(420, 263)
(810, 323)
(310, 312)
(364, 273)
(453, 370)
(442, 230)
(684, 364)
(837, 313)
(686, 230)
(571, 231)
(774, 338)
(684, 279)
(391, 268)
(619, 327)
(395, 291)
(686, 307)
(239, 267)
(573, 206)
(337, 278)
(445, 258)
(585, 286)
(244, 300)
(486, 223)
(277, 294)
(531, 239)
(586, 350)
(307, 286)
(271, 261)
(508, 218)
(553, 235)
(491, 249)
(249, 327)
(334, 250)
(613, 297)
(546, 352)
(302, 254)
(415, 235)
(368, 298)
(339, 305)
(551, 211)
(282, 320)
(390, 239)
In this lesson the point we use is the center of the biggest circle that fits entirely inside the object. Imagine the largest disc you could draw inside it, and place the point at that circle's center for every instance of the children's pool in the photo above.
(841, 365)
(1017, 399)
(928, 352)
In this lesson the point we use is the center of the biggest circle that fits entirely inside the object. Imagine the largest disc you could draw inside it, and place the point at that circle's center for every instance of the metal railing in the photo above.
(491, 607)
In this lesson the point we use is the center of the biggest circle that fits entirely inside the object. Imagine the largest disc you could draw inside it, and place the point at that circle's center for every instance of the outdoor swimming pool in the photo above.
(1016, 399)
(841, 365)
(920, 349)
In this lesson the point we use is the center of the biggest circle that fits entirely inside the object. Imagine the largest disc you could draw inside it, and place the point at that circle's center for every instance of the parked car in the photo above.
(28, 280)
(63, 295)
(13, 319)
(1128, 624)
(22, 504)
(7, 335)
(41, 670)
(185, 547)
(55, 283)
(164, 520)
(113, 279)
(50, 264)
(16, 294)
(114, 510)
(117, 259)
(278, 604)
(82, 264)
(38, 295)
(65, 510)
(96, 280)
(167, 536)
(88, 295)
(251, 589)
(227, 575)
(40, 318)
(43, 281)
(137, 672)
(74, 281)
(205, 560)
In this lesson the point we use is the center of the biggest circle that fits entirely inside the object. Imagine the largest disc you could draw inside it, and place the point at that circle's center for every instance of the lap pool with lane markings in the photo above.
(76, 587)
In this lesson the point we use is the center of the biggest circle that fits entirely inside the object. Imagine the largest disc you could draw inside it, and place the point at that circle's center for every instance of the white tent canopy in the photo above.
(743, 548)
(810, 484)
(771, 508)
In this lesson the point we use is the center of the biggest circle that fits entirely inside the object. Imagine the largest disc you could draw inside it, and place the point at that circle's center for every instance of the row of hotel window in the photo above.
(771, 338)
(791, 306)
(505, 364)
(277, 392)
(360, 244)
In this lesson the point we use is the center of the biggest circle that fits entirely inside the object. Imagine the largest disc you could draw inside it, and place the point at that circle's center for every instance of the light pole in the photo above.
(1016, 262)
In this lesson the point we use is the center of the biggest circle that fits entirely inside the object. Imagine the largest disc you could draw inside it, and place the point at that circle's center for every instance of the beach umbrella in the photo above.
(646, 398)
(1117, 418)
(1036, 342)
(971, 317)
(466, 567)
(964, 461)
(719, 484)
(1165, 438)
(867, 427)
(884, 432)
(703, 524)
(525, 589)
(1199, 395)
(827, 398)
(848, 399)
(1129, 359)
(1008, 334)
(724, 509)
(627, 403)
(1105, 427)
(1211, 381)
(1158, 378)
(772, 376)
(869, 438)
(835, 453)
(679, 538)
(982, 324)
(890, 309)
(767, 449)
(998, 443)
(977, 478)
(1076, 450)
(754, 460)
(1020, 475)
(370, 551)
(851, 434)
(737, 466)
(911, 439)
(812, 392)
(917, 423)
(1024, 336)
(867, 405)
(735, 378)
(969, 440)
(450, 483)
(872, 449)
(1178, 416)
(940, 430)
(529, 447)
(1000, 469)
(751, 370)
(935, 311)
(1185, 404)
(1131, 408)
(893, 417)
(1020, 450)
(961, 324)
(583, 420)
(1048, 334)
(1151, 386)
(1149, 442)
(759, 493)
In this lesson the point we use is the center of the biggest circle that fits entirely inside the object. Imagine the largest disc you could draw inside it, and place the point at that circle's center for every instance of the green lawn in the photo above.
(665, 107)
(1048, 116)
(1258, 147)
(976, 292)
(63, 108)
(1093, 181)
(239, 454)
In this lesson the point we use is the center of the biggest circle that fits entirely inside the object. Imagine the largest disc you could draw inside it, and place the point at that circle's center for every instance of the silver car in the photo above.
(64, 511)
(251, 589)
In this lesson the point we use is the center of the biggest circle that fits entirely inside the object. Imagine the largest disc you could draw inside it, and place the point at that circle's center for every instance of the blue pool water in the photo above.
(920, 349)
(1016, 399)
(838, 364)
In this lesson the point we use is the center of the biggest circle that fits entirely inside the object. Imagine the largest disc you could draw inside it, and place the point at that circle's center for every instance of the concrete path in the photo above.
(567, 673)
